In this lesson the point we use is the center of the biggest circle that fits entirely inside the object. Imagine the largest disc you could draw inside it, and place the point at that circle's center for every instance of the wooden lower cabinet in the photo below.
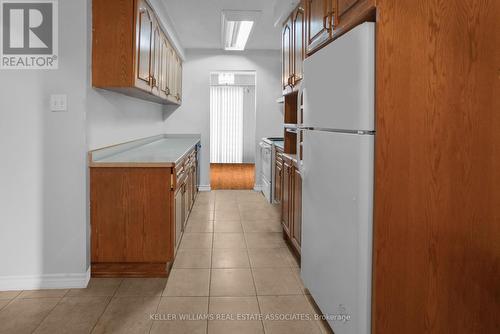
(291, 203)
(138, 215)
(296, 232)
(178, 215)
(278, 176)
(286, 197)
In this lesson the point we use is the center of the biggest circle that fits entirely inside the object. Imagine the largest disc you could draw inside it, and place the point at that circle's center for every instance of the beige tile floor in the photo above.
(232, 263)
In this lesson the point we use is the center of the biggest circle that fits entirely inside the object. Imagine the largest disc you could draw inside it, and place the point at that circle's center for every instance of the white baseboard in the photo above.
(257, 187)
(50, 281)
(204, 188)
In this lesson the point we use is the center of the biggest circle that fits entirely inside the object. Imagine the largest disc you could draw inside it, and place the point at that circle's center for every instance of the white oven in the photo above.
(266, 154)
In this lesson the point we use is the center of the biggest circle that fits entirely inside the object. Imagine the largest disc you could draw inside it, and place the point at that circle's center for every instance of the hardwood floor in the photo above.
(232, 176)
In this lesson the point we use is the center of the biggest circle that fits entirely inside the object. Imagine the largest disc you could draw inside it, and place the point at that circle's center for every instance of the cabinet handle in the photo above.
(152, 81)
(328, 18)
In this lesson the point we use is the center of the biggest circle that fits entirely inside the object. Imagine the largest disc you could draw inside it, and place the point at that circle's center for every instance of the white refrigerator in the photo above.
(337, 168)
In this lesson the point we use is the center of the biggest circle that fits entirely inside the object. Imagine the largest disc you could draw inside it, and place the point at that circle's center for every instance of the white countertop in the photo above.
(163, 150)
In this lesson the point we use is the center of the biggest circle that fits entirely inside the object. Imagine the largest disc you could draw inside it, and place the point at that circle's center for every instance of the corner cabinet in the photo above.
(131, 53)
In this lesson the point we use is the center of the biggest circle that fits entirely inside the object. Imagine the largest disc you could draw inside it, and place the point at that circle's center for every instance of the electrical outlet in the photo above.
(58, 102)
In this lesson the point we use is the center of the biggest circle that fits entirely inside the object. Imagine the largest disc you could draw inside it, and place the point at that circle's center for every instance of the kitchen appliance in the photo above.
(267, 158)
(337, 168)
(266, 150)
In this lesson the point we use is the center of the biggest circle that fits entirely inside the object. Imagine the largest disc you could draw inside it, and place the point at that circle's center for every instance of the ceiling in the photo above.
(198, 22)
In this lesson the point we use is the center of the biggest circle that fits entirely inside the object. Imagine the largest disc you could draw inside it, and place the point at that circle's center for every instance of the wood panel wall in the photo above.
(437, 191)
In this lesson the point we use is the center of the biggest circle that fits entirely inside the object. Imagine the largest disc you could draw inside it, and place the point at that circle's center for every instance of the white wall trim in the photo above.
(49, 281)
(257, 187)
(204, 188)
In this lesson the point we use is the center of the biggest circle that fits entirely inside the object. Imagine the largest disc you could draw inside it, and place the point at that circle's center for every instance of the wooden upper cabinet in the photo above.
(131, 53)
(287, 52)
(156, 60)
(293, 52)
(350, 13)
(298, 44)
(179, 80)
(345, 5)
(319, 23)
(164, 68)
(144, 46)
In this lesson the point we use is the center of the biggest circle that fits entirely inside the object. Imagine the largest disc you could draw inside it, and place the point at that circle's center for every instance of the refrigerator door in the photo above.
(339, 83)
(337, 221)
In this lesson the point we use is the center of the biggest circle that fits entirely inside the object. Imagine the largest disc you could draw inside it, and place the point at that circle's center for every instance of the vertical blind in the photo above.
(226, 124)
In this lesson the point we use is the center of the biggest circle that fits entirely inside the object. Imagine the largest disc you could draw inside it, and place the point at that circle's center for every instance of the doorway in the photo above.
(232, 130)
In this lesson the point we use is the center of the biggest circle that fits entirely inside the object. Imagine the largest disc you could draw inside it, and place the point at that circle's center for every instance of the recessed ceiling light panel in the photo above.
(237, 27)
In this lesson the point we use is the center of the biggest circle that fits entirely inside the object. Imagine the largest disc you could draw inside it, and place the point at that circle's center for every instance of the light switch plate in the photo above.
(58, 102)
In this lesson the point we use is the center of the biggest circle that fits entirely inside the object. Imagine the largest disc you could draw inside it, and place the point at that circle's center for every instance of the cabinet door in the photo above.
(179, 217)
(195, 175)
(285, 201)
(185, 204)
(173, 75)
(179, 79)
(189, 190)
(193, 182)
(297, 210)
(164, 68)
(170, 72)
(278, 181)
(319, 23)
(156, 59)
(287, 54)
(298, 44)
(144, 46)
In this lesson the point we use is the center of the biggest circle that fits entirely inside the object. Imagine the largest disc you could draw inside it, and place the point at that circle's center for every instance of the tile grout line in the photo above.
(107, 305)
(253, 280)
(52, 309)
(156, 310)
(211, 262)
(11, 300)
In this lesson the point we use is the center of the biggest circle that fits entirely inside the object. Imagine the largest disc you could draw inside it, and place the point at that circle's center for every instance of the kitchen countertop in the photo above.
(158, 151)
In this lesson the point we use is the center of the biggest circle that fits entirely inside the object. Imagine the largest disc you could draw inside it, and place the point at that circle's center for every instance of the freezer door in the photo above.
(339, 83)
(337, 226)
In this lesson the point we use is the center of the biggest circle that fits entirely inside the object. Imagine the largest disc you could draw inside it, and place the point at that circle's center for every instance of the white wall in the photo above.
(194, 114)
(42, 173)
(114, 118)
